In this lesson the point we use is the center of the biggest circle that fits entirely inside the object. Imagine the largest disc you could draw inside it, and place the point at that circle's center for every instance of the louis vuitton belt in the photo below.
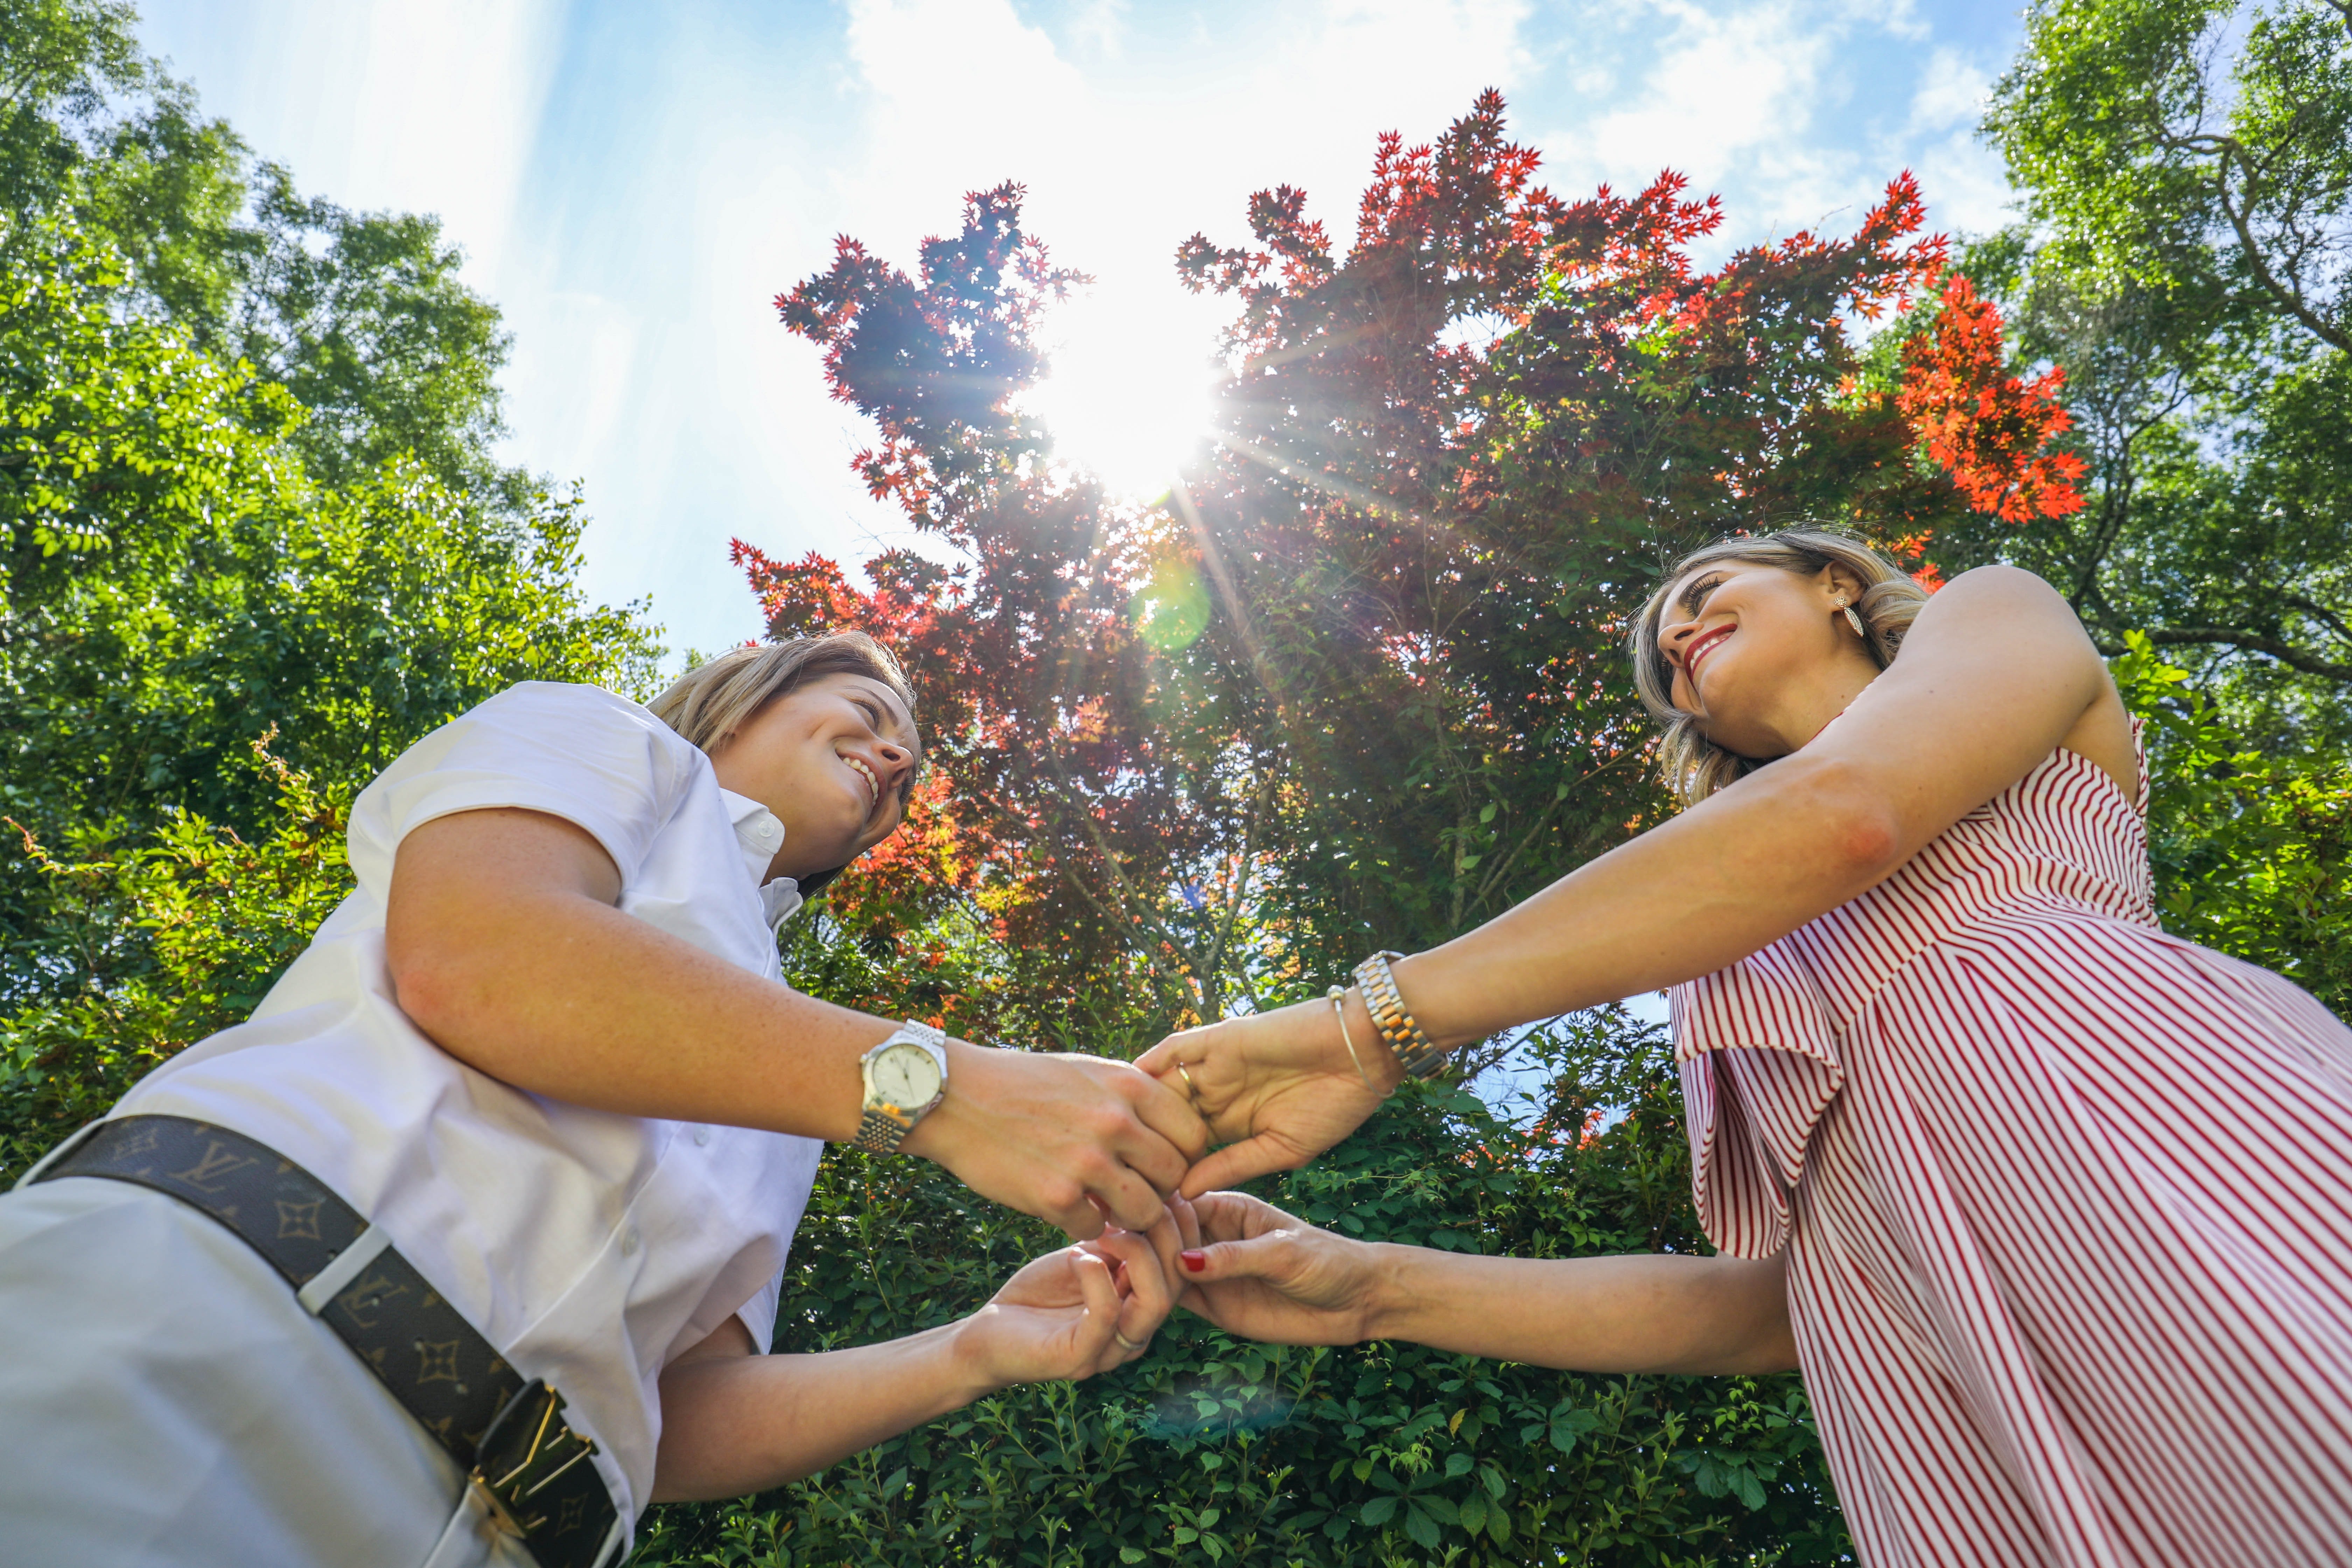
(508, 1434)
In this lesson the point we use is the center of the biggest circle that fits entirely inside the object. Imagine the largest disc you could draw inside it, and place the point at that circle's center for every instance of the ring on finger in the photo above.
(1192, 1089)
(1124, 1343)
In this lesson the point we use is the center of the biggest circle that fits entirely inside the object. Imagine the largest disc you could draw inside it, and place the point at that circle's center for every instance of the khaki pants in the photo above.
(165, 1400)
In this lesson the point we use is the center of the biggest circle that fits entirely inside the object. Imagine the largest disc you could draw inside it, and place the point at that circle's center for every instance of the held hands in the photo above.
(1074, 1140)
(1245, 1266)
(1256, 1272)
(1278, 1088)
(1073, 1313)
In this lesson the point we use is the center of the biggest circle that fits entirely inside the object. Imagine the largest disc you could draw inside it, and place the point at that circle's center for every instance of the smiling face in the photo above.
(832, 760)
(1762, 654)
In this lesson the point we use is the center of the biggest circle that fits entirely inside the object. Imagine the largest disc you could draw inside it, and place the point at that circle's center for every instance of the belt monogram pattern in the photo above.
(437, 1364)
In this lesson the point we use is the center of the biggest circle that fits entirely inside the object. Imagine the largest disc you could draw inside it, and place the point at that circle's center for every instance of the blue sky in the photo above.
(633, 184)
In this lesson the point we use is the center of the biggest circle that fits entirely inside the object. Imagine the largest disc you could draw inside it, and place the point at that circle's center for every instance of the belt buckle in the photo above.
(525, 1448)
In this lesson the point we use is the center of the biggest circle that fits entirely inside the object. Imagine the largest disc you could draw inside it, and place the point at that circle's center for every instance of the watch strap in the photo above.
(1415, 1052)
(879, 1132)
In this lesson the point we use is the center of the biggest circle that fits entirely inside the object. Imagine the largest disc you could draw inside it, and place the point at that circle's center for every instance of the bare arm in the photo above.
(734, 1422)
(1639, 1312)
(1258, 1272)
(1995, 674)
(505, 946)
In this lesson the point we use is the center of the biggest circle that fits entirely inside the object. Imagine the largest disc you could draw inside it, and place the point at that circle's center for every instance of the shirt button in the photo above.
(702, 1137)
(766, 830)
(629, 1242)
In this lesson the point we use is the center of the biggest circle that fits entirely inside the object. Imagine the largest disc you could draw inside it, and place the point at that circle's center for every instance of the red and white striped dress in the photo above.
(2068, 1203)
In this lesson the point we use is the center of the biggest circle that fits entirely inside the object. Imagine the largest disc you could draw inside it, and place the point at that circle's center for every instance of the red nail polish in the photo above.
(1194, 1261)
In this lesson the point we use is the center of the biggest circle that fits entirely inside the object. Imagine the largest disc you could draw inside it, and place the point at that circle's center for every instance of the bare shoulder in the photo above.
(2030, 621)
(2001, 591)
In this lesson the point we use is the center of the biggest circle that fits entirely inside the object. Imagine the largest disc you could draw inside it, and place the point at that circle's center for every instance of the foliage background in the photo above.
(1354, 681)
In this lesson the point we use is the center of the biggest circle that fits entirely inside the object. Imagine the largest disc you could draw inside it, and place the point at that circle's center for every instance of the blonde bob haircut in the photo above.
(719, 696)
(1694, 767)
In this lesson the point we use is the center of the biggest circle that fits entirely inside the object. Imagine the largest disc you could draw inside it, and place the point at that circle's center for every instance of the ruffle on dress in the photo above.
(1758, 1055)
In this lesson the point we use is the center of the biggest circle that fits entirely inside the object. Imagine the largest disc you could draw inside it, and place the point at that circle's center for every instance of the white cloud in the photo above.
(1951, 92)
(1792, 109)
(1726, 83)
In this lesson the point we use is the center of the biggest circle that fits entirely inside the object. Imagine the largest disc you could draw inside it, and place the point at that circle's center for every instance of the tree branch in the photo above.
(2288, 300)
(1238, 894)
(1543, 816)
(1137, 909)
(2229, 636)
(2319, 611)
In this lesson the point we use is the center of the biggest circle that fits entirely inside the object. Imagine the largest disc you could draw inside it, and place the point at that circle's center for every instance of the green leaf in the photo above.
(1422, 1528)
(1568, 1425)
(1377, 1511)
(1130, 1554)
(1473, 1514)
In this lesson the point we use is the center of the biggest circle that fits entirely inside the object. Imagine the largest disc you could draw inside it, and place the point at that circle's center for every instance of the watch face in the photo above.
(907, 1076)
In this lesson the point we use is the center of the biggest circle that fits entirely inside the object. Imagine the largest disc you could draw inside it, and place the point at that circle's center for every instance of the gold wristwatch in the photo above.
(906, 1077)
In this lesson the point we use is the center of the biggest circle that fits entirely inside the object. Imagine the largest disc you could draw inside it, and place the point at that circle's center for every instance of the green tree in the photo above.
(2252, 850)
(2185, 175)
(245, 473)
(362, 316)
(166, 938)
(173, 580)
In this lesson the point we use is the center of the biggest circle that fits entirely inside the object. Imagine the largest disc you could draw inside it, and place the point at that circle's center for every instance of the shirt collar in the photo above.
(760, 834)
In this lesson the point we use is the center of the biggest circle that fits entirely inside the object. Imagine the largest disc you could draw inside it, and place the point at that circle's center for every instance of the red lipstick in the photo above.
(1699, 647)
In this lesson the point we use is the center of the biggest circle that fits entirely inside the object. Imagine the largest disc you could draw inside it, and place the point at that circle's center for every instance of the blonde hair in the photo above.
(719, 696)
(1694, 767)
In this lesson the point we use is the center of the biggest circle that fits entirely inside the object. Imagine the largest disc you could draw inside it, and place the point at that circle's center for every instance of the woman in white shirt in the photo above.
(544, 1116)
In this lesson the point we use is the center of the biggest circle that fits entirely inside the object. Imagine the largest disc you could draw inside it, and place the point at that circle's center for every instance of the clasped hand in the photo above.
(1080, 1141)
(1275, 1089)
(1083, 1309)
(1084, 1142)
(1243, 1265)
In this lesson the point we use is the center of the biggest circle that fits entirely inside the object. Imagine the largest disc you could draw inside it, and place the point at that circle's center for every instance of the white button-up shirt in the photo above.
(589, 1248)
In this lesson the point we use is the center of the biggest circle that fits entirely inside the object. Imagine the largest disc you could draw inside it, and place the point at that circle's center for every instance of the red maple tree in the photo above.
(1448, 460)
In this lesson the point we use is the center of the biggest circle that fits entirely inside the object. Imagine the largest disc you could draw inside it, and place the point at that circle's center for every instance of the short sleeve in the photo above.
(759, 1313)
(578, 753)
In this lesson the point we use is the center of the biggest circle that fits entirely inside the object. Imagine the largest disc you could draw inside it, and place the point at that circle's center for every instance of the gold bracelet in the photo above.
(1338, 996)
(1415, 1050)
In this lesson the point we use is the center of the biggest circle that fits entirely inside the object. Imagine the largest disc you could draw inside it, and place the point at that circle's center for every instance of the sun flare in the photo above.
(1127, 393)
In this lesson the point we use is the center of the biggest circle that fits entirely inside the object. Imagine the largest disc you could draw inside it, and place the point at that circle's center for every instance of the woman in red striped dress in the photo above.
(2053, 1211)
